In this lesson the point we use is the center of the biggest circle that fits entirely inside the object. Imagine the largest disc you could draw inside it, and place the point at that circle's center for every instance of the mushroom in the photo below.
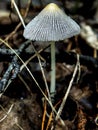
(51, 24)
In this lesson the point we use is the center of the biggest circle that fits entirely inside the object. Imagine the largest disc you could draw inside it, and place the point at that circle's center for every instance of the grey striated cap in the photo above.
(51, 24)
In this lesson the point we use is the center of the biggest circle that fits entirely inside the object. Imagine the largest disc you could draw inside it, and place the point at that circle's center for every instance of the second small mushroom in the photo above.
(51, 24)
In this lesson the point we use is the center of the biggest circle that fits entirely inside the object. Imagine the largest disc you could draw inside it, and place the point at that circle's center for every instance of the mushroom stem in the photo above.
(53, 82)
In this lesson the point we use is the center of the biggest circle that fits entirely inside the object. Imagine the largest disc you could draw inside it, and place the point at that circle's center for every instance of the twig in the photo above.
(7, 113)
(17, 10)
(19, 126)
(44, 115)
(9, 75)
(26, 85)
(68, 90)
(14, 65)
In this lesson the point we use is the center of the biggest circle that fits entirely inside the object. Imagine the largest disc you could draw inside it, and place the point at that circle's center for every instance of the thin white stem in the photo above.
(68, 90)
(53, 75)
(17, 10)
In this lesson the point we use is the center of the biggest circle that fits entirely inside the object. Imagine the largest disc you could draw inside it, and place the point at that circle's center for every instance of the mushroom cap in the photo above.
(51, 24)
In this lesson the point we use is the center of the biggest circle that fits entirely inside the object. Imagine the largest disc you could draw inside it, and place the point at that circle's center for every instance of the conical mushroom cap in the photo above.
(51, 24)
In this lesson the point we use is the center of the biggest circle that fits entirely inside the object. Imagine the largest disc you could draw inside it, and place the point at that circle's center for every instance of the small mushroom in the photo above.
(51, 24)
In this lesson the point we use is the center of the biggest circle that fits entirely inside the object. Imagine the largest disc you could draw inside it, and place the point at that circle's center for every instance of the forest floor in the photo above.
(23, 105)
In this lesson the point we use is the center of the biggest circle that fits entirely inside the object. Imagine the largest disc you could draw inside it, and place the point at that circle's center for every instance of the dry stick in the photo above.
(7, 113)
(68, 90)
(44, 115)
(13, 2)
(26, 85)
(19, 126)
(26, 11)
(49, 121)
